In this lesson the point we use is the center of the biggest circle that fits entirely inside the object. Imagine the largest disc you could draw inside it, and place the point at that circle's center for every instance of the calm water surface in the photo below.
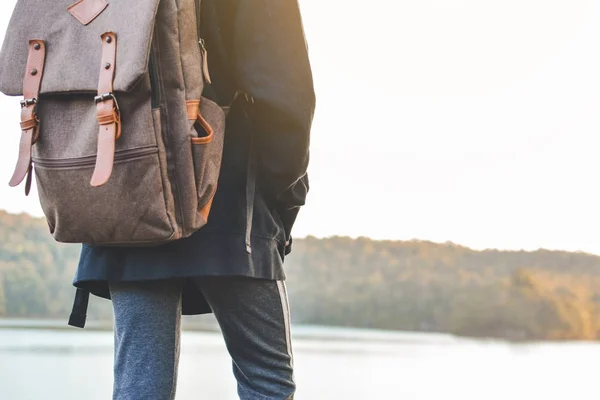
(330, 364)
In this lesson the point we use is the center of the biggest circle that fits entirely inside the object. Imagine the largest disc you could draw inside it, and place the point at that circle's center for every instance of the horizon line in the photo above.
(447, 243)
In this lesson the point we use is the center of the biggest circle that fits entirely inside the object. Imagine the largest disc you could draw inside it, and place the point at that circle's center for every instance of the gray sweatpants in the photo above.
(254, 318)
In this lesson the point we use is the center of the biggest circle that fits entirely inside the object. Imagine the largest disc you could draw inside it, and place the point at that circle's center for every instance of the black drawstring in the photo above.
(251, 175)
(80, 306)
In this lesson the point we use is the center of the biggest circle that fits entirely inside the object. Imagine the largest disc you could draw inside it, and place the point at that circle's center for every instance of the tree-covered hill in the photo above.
(415, 285)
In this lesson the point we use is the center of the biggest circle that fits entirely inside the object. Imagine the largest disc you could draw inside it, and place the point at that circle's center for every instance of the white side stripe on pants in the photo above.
(286, 318)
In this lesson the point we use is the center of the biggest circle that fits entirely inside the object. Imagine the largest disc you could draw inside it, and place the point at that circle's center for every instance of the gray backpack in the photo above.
(125, 149)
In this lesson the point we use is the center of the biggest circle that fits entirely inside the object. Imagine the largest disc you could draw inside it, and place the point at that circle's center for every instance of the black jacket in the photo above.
(258, 47)
(259, 65)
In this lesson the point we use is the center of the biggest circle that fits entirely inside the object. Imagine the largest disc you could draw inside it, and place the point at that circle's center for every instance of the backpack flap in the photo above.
(61, 47)
(72, 34)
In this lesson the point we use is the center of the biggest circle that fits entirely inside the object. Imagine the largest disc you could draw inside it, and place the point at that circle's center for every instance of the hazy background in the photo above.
(479, 126)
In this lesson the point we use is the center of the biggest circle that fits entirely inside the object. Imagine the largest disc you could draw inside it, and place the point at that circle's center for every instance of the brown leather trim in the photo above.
(205, 211)
(193, 108)
(106, 155)
(193, 112)
(35, 61)
(107, 112)
(85, 11)
(24, 160)
(29, 120)
(107, 64)
(108, 119)
(209, 130)
(202, 140)
(29, 124)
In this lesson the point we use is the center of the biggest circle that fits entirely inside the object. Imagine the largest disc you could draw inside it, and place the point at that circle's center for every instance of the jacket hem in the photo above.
(202, 255)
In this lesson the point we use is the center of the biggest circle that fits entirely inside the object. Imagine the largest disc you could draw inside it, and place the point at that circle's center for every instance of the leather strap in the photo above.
(205, 211)
(29, 120)
(210, 134)
(251, 174)
(193, 112)
(193, 109)
(107, 112)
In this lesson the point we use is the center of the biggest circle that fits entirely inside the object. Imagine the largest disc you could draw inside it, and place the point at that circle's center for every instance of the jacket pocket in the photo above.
(123, 211)
(207, 135)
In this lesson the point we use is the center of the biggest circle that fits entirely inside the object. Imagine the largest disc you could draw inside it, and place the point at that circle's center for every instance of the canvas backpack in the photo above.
(124, 148)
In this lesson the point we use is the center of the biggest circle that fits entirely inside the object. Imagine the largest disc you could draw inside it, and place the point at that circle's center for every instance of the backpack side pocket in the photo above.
(207, 137)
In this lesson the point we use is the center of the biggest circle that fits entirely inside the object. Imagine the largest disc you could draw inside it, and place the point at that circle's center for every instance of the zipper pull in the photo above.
(28, 180)
(204, 61)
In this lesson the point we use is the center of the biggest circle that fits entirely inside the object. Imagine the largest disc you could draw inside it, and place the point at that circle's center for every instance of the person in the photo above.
(232, 267)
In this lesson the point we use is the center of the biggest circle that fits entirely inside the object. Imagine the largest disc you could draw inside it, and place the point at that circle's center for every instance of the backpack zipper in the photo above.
(201, 43)
(197, 4)
(91, 160)
(205, 73)
(154, 85)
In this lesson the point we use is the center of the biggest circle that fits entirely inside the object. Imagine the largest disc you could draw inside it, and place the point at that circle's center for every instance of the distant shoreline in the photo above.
(308, 332)
(92, 325)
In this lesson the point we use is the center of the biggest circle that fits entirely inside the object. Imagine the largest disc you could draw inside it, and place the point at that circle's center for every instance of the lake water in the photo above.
(330, 364)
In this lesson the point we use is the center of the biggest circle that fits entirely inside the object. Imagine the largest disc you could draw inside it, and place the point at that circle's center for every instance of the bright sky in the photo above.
(472, 121)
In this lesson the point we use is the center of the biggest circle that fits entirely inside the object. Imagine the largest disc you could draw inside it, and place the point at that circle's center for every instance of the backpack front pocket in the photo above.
(124, 210)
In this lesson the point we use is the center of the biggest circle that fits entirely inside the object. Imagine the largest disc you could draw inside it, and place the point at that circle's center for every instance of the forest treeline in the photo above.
(396, 285)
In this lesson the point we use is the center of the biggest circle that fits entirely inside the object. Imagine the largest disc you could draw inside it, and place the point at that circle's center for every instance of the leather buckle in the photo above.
(33, 121)
(116, 117)
(28, 102)
(107, 96)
